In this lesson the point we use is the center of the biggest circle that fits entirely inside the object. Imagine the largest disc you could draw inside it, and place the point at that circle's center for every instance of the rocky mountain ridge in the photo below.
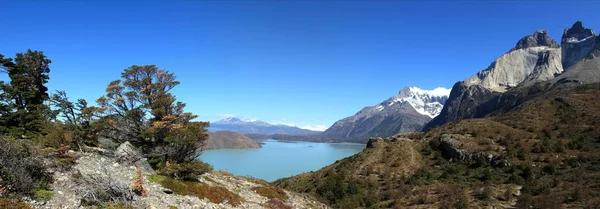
(407, 111)
(528, 69)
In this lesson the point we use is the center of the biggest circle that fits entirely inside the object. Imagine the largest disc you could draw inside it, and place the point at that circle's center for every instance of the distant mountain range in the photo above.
(257, 127)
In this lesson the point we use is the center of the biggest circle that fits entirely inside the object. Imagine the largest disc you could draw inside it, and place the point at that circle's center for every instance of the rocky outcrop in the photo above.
(463, 102)
(453, 148)
(230, 140)
(102, 170)
(577, 42)
(407, 111)
(518, 68)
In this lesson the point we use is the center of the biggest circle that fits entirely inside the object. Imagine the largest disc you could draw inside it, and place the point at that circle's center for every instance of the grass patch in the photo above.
(156, 178)
(43, 195)
(215, 194)
(271, 192)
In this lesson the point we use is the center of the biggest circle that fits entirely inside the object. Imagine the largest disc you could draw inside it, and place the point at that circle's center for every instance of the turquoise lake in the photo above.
(279, 159)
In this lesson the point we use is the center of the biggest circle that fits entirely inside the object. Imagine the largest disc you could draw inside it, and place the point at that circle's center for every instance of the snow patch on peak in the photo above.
(573, 40)
(438, 92)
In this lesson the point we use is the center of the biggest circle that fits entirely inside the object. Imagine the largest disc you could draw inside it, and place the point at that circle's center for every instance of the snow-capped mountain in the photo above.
(407, 111)
(250, 126)
(425, 102)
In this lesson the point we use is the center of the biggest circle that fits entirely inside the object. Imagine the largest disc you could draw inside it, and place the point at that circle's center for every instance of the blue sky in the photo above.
(307, 63)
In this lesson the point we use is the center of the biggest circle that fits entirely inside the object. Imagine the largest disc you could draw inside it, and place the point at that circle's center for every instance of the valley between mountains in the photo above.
(523, 132)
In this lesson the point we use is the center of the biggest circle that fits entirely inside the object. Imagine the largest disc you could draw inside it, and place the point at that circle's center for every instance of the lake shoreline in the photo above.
(272, 160)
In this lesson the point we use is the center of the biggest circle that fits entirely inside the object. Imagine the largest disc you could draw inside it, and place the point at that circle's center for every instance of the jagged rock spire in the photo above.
(577, 32)
(577, 42)
(538, 38)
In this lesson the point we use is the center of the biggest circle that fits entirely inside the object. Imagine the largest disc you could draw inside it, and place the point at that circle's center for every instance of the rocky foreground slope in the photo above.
(103, 174)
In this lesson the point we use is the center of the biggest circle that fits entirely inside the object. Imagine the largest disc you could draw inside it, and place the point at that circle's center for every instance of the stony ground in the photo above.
(102, 167)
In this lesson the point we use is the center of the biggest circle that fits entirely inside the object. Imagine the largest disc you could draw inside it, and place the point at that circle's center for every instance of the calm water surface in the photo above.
(279, 159)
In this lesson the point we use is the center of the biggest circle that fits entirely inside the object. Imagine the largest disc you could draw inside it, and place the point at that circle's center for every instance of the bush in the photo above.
(102, 190)
(138, 183)
(21, 166)
(185, 171)
(56, 135)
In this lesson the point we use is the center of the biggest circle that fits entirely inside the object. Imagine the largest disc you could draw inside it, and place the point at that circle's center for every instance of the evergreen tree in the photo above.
(22, 105)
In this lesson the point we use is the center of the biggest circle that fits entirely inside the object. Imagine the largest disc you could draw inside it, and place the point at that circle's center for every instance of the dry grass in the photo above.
(215, 194)
(13, 204)
(271, 192)
(223, 173)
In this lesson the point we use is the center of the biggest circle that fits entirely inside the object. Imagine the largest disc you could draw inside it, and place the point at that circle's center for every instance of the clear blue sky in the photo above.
(307, 63)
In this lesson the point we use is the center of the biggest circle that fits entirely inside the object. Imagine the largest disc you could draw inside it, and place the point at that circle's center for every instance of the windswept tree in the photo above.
(141, 109)
(75, 116)
(23, 99)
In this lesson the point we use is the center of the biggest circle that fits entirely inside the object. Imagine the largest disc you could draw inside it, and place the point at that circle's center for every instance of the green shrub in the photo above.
(188, 171)
(42, 194)
(549, 169)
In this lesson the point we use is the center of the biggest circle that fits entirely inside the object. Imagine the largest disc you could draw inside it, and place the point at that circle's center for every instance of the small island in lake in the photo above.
(230, 140)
